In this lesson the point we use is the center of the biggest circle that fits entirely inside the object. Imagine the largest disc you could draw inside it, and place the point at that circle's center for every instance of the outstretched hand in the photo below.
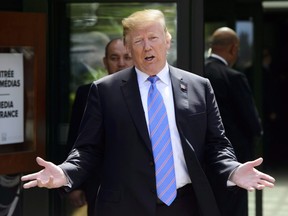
(51, 176)
(249, 178)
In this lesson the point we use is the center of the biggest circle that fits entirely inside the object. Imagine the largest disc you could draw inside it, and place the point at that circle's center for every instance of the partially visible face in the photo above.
(117, 57)
(149, 46)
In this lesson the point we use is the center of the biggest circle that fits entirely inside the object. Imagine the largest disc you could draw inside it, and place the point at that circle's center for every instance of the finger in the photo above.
(29, 177)
(41, 161)
(256, 187)
(30, 184)
(260, 187)
(266, 177)
(257, 162)
(266, 183)
(251, 189)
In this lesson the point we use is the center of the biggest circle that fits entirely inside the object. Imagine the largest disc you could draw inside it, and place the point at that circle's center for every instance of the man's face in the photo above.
(148, 46)
(117, 57)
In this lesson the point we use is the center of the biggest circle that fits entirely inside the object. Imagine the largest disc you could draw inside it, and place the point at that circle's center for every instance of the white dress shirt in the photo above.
(165, 88)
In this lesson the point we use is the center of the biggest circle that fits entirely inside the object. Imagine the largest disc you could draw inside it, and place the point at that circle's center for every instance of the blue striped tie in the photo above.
(161, 144)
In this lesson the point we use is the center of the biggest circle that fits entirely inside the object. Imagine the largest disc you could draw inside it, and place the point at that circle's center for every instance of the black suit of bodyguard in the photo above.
(233, 94)
(236, 105)
(115, 143)
(238, 111)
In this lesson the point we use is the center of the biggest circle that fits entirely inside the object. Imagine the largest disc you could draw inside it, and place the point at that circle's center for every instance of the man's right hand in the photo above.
(51, 176)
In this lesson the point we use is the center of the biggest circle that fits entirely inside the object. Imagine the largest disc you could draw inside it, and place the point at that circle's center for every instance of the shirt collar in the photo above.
(163, 75)
(219, 57)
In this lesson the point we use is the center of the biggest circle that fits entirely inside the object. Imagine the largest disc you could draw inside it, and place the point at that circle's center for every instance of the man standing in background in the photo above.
(238, 111)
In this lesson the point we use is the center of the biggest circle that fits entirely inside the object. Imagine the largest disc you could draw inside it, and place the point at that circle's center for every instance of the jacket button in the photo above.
(151, 163)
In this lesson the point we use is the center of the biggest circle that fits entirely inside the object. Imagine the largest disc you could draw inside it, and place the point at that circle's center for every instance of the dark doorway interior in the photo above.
(275, 94)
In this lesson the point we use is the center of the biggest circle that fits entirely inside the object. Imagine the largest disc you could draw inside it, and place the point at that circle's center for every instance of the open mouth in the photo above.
(149, 58)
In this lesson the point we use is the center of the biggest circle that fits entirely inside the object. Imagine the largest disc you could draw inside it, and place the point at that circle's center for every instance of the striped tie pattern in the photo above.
(161, 144)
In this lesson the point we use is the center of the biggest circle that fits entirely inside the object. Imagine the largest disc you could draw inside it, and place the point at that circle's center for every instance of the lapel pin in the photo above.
(183, 87)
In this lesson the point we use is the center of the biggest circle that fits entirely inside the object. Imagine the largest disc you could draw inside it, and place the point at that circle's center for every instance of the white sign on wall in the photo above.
(11, 98)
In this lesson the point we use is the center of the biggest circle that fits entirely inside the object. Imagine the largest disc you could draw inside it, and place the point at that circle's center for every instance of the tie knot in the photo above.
(153, 79)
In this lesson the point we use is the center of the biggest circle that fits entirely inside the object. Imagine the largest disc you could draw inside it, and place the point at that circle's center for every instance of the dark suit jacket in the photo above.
(237, 108)
(114, 141)
(242, 125)
(78, 108)
(90, 185)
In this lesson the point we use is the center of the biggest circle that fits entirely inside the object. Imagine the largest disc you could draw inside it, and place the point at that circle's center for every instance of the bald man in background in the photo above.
(238, 111)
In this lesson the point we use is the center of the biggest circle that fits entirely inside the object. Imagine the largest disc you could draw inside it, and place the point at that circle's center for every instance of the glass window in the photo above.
(244, 29)
(210, 27)
(93, 25)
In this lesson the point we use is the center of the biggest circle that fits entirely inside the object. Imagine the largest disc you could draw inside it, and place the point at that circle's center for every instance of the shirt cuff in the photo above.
(68, 185)
(229, 182)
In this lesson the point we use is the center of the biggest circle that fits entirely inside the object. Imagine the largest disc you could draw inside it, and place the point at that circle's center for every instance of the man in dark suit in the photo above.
(116, 142)
(237, 108)
(116, 58)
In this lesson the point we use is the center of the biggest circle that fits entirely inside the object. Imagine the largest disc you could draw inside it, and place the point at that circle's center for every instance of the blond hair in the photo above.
(142, 18)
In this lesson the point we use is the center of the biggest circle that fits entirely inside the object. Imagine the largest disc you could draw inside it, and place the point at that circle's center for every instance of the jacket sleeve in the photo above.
(87, 153)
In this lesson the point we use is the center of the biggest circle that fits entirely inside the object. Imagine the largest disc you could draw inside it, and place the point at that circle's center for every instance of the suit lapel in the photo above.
(180, 93)
(201, 185)
(132, 98)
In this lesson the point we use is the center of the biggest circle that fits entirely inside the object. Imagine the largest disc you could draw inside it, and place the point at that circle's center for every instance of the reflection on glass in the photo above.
(244, 31)
(93, 25)
(209, 29)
